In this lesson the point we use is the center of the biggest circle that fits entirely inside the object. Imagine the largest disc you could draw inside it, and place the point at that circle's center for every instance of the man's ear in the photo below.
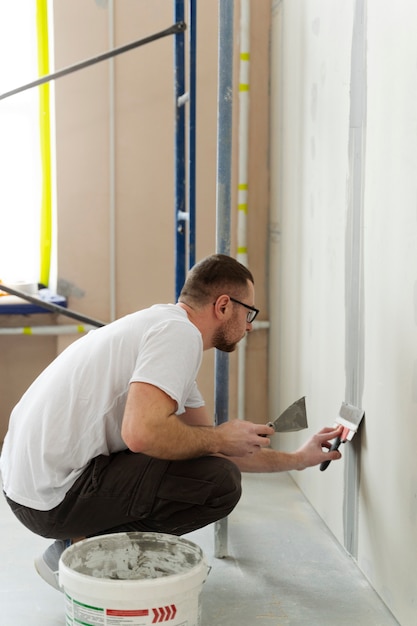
(221, 306)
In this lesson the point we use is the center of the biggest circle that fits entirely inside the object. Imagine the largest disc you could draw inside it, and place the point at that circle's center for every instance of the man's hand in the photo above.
(239, 438)
(312, 453)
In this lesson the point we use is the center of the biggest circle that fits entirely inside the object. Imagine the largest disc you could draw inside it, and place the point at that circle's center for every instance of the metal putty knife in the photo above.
(292, 419)
(349, 417)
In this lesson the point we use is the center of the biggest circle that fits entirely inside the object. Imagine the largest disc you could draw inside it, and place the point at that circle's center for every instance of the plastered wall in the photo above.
(343, 238)
(143, 183)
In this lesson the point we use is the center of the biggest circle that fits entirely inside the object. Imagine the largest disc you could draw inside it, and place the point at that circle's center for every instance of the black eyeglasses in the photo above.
(251, 314)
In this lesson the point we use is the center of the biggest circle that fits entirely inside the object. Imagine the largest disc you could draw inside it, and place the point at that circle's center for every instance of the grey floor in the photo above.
(284, 568)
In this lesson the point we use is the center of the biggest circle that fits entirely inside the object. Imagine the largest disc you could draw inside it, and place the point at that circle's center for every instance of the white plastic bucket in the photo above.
(133, 579)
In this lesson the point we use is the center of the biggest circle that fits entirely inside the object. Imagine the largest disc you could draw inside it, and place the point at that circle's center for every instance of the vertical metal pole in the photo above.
(192, 131)
(180, 178)
(223, 212)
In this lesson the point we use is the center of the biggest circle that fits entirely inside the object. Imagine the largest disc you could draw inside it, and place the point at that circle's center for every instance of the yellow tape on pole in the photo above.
(45, 142)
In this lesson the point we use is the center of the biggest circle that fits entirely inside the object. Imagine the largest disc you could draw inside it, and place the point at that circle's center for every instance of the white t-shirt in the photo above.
(74, 409)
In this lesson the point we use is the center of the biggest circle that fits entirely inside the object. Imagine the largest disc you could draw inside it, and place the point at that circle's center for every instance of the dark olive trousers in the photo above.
(128, 491)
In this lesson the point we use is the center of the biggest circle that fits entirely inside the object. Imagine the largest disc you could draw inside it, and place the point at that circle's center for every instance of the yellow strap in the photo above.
(45, 142)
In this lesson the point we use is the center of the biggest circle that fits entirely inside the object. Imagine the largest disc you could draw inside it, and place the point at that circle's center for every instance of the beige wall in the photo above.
(22, 358)
(144, 176)
(258, 206)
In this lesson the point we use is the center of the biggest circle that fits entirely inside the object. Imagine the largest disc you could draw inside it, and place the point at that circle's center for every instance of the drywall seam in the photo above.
(354, 290)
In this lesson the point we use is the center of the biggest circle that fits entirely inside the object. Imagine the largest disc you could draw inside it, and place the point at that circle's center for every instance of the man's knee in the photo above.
(229, 486)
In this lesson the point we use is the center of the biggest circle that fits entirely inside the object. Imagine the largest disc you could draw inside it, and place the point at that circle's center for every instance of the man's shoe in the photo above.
(47, 564)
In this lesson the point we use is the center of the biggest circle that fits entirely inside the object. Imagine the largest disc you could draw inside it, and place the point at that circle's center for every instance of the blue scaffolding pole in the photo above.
(185, 140)
(180, 175)
(185, 215)
(192, 131)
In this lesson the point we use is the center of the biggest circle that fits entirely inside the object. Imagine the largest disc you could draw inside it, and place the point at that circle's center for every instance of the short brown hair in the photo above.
(213, 276)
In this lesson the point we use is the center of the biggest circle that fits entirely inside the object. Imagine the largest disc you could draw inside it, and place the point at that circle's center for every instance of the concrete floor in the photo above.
(284, 569)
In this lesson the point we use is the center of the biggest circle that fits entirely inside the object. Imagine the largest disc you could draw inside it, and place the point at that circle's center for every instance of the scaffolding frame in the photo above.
(185, 173)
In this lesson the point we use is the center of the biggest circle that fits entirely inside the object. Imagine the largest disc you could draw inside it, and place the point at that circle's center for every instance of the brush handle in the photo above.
(335, 446)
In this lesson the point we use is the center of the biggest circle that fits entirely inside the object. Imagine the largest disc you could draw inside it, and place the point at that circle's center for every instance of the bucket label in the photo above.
(122, 617)
(164, 613)
(79, 614)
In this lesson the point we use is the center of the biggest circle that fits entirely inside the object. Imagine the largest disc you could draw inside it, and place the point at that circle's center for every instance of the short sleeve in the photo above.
(170, 356)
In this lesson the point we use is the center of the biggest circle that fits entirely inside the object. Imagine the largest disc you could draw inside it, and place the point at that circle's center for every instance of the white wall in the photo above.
(344, 266)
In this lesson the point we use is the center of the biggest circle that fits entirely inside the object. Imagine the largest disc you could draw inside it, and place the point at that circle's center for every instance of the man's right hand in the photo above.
(241, 438)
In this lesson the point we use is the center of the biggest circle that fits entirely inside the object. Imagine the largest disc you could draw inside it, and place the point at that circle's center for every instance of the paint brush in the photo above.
(349, 417)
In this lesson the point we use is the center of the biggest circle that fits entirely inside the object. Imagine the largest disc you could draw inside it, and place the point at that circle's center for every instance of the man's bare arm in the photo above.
(313, 452)
(150, 426)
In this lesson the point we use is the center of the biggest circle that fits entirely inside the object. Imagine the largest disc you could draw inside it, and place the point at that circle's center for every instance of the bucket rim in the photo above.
(143, 534)
(65, 570)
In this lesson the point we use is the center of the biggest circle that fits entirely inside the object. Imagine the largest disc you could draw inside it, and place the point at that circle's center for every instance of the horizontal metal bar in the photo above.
(55, 308)
(57, 329)
(179, 27)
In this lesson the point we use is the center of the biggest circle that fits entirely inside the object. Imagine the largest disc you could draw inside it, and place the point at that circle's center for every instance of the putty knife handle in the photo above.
(335, 446)
(270, 424)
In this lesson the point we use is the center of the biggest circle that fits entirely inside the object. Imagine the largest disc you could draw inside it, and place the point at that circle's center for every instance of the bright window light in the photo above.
(20, 159)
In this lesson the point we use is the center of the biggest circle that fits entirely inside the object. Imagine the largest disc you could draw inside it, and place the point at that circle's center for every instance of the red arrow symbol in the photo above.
(164, 613)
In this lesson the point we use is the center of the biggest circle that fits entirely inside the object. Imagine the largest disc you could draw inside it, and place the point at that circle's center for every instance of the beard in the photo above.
(221, 342)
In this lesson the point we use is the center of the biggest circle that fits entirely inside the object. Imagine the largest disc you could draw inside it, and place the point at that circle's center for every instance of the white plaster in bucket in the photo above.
(133, 579)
